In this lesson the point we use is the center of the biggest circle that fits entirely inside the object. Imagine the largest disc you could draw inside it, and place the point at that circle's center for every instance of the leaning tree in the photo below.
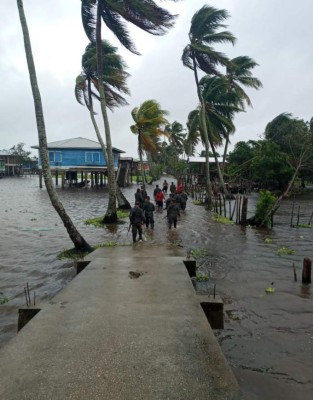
(146, 15)
(79, 242)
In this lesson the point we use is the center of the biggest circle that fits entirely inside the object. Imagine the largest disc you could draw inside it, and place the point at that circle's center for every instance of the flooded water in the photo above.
(268, 338)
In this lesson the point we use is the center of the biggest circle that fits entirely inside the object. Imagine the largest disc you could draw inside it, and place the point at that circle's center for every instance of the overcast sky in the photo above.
(277, 34)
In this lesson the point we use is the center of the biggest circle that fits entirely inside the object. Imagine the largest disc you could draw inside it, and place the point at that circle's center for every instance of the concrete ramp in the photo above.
(128, 327)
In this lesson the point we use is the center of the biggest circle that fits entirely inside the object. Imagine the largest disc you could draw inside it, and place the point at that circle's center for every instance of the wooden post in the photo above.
(92, 182)
(234, 209)
(298, 216)
(244, 211)
(63, 179)
(56, 177)
(40, 179)
(291, 221)
(306, 271)
(220, 203)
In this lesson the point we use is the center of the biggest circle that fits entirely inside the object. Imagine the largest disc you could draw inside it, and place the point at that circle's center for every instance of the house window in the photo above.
(55, 156)
(92, 157)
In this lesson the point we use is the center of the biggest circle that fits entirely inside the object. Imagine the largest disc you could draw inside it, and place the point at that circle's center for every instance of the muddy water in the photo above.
(268, 338)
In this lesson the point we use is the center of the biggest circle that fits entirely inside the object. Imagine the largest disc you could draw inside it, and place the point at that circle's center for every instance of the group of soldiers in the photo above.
(143, 212)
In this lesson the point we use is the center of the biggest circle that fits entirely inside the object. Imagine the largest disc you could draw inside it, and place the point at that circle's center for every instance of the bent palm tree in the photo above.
(86, 89)
(148, 118)
(147, 16)
(176, 135)
(220, 107)
(199, 54)
(238, 74)
(79, 242)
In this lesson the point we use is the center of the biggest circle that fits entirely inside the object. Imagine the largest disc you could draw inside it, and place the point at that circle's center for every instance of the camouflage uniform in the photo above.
(148, 209)
(136, 218)
(183, 200)
(173, 212)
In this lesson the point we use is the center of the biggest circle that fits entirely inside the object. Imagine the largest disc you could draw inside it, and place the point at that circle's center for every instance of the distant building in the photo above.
(9, 164)
(198, 171)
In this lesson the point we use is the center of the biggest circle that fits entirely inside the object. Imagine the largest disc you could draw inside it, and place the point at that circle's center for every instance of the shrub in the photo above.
(263, 207)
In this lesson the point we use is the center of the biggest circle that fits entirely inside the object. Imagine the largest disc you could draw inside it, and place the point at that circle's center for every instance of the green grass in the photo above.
(98, 221)
(285, 251)
(73, 254)
(4, 300)
(308, 226)
(268, 240)
(202, 278)
(222, 220)
(198, 253)
(198, 203)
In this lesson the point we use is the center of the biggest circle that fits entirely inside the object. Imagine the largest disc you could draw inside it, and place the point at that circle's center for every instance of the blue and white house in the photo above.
(69, 157)
(78, 152)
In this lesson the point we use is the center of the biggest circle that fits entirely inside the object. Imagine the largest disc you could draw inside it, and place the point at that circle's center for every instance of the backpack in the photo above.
(159, 196)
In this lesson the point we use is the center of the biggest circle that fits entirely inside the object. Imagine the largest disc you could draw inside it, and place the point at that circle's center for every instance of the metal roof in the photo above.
(5, 153)
(202, 159)
(75, 143)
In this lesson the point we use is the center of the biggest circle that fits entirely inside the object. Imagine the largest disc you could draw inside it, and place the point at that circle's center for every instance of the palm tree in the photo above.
(192, 137)
(147, 16)
(238, 74)
(176, 135)
(79, 242)
(148, 118)
(199, 54)
(220, 107)
(86, 89)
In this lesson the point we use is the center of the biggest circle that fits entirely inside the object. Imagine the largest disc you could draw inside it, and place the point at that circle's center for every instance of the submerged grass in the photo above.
(198, 253)
(4, 300)
(73, 254)
(198, 203)
(308, 226)
(223, 220)
(98, 221)
(202, 278)
(285, 251)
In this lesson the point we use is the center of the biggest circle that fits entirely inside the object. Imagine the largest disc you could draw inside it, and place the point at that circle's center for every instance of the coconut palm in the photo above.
(220, 108)
(238, 74)
(149, 118)
(176, 135)
(77, 239)
(86, 89)
(191, 140)
(147, 16)
(200, 55)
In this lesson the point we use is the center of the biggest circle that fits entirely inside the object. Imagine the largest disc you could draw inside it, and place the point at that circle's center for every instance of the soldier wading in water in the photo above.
(173, 211)
(148, 209)
(137, 218)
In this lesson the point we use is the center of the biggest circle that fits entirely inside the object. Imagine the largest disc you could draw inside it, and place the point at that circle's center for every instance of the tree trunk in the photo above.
(121, 199)
(123, 203)
(206, 140)
(79, 242)
(142, 170)
(111, 214)
(222, 185)
(225, 154)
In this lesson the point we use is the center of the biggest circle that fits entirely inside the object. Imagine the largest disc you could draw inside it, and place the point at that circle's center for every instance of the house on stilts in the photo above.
(77, 161)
